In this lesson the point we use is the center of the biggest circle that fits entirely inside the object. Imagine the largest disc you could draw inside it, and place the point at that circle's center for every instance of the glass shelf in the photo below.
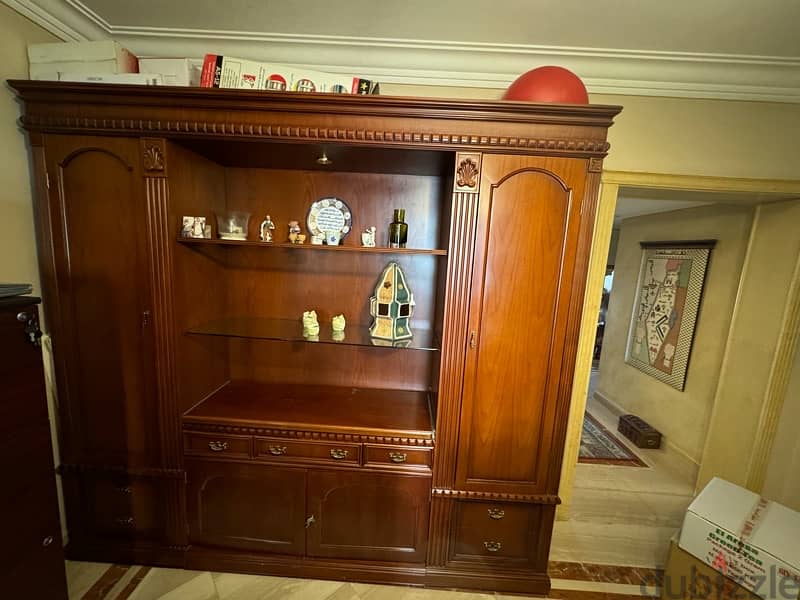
(287, 330)
(307, 246)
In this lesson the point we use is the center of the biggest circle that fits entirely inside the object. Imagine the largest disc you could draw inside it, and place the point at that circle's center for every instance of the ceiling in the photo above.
(735, 49)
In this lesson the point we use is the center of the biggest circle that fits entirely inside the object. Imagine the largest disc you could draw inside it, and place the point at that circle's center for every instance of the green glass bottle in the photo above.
(398, 229)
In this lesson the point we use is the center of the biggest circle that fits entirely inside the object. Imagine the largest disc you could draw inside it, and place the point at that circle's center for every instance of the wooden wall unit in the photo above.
(202, 426)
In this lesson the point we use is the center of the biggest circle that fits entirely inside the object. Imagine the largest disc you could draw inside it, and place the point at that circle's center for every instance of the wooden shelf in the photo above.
(308, 246)
(316, 408)
(288, 330)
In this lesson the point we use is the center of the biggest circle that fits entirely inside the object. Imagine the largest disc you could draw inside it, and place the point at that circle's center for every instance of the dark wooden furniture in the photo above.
(32, 558)
(639, 431)
(200, 428)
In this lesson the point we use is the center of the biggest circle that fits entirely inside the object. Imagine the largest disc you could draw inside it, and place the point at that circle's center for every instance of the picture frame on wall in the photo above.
(668, 294)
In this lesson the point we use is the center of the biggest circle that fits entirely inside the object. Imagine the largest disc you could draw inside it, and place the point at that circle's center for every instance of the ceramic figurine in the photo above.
(368, 237)
(338, 323)
(391, 306)
(310, 323)
(333, 237)
(337, 336)
(294, 231)
(301, 237)
(317, 239)
(265, 232)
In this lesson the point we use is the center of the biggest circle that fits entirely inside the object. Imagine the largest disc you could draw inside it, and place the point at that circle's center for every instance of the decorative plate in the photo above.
(329, 214)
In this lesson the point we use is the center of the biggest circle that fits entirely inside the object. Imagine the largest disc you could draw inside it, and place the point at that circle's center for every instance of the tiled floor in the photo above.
(622, 515)
(100, 581)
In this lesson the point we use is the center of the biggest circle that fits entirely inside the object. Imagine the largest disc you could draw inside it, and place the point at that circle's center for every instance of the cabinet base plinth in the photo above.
(489, 580)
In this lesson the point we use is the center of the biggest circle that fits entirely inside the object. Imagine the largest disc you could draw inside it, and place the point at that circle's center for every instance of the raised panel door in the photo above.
(525, 246)
(247, 507)
(101, 319)
(368, 516)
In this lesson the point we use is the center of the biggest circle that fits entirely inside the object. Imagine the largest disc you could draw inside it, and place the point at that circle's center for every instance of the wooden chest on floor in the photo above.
(639, 432)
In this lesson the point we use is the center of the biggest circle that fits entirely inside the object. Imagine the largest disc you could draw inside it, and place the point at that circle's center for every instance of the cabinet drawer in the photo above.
(397, 457)
(212, 444)
(500, 532)
(121, 507)
(316, 452)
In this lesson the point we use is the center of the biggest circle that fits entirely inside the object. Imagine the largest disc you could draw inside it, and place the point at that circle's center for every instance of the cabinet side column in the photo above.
(154, 167)
(464, 214)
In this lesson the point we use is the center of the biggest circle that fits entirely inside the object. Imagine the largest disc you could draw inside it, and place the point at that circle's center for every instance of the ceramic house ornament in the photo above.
(391, 306)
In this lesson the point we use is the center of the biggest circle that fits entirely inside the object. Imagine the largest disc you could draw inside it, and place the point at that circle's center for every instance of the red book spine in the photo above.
(209, 67)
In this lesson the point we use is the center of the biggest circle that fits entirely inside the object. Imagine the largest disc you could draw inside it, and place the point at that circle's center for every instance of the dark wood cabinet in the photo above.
(246, 507)
(181, 363)
(31, 557)
(367, 516)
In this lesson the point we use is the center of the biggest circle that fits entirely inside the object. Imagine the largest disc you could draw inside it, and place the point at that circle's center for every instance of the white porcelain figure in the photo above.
(338, 323)
(368, 237)
(265, 232)
(310, 323)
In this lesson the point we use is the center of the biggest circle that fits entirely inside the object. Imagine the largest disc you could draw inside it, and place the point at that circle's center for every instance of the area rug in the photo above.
(601, 447)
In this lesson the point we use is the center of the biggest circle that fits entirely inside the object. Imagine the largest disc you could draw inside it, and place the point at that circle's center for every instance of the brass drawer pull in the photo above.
(496, 513)
(124, 521)
(492, 546)
(218, 446)
(398, 457)
(47, 541)
(339, 454)
(122, 489)
(277, 450)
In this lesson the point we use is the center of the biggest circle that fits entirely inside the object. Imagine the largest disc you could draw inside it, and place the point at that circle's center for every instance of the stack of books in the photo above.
(15, 289)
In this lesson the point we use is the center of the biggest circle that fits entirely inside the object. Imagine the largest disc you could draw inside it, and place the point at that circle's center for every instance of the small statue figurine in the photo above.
(368, 237)
(338, 323)
(310, 323)
(294, 231)
(266, 229)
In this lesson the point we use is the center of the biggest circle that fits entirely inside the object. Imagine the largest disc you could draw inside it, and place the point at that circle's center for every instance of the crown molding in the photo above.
(446, 63)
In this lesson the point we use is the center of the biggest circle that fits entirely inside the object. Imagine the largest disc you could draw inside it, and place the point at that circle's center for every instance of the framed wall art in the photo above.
(668, 292)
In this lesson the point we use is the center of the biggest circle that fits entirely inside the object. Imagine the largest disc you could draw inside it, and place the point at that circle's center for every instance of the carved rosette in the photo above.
(467, 172)
(154, 161)
(595, 165)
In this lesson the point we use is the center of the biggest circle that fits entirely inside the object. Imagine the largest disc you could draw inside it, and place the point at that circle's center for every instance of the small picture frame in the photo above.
(195, 227)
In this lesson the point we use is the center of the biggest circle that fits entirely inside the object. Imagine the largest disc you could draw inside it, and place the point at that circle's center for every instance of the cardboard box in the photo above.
(128, 78)
(107, 56)
(752, 541)
(689, 578)
(229, 72)
(174, 71)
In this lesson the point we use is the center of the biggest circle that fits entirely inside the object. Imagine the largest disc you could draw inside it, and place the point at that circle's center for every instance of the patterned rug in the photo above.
(601, 447)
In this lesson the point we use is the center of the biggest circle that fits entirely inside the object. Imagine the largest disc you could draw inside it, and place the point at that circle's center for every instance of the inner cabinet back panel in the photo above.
(196, 188)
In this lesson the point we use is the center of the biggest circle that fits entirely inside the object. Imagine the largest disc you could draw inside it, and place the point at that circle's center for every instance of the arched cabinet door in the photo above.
(525, 248)
(100, 311)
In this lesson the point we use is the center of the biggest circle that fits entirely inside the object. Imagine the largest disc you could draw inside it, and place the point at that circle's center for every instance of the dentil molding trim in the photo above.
(446, 63)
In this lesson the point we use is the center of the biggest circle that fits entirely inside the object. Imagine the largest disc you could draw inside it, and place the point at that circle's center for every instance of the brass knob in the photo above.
(277, 450)
(339, 454)
(310, 521)
(492, 546)
(122, 489)
(47, 541)
(216, 446)
(496, 513)
(124, 521)
(23, 317)
(397, 457)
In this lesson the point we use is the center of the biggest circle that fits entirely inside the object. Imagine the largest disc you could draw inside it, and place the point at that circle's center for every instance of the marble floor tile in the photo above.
(175, 584)
(81, 576)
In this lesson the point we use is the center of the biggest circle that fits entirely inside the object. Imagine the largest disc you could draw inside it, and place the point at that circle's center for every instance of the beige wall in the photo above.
(684, 136)
(682, 417)
(750, 395)
(783, 471)
(17, 242)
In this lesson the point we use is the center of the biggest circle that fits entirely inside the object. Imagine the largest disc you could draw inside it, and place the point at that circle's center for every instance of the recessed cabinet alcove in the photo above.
(213, 433)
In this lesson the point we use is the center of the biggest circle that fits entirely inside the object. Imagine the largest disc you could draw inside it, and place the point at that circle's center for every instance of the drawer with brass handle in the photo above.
(397, 457)
(285, 450)
(214, 444)
(503, 532)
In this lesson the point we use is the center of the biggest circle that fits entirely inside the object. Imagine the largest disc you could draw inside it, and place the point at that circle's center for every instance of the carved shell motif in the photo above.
(153, 159)
(467, 173)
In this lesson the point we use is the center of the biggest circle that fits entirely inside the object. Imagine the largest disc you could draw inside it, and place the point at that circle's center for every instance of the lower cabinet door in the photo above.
(368, 516)
(247, 507)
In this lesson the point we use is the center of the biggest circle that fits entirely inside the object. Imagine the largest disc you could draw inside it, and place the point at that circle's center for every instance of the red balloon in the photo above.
(548, 84)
